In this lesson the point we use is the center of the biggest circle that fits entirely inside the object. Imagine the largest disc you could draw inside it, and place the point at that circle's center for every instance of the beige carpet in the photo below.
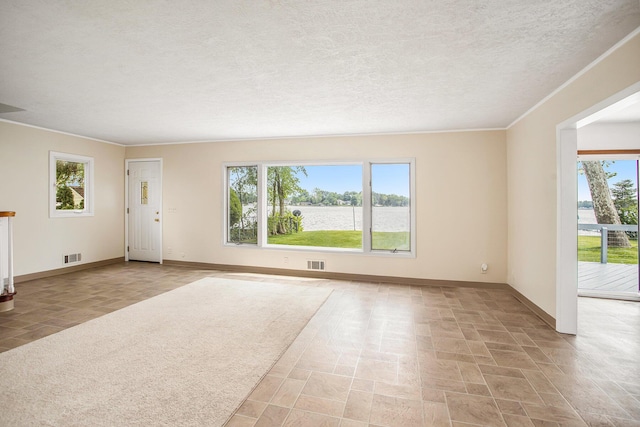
(186, 357)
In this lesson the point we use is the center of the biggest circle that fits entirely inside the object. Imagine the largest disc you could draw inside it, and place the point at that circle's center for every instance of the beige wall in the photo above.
(531, 172)
(461, 202)
(40, 241)
(619, 136)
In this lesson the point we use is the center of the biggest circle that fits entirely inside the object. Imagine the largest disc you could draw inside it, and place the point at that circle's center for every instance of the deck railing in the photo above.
(604, 229)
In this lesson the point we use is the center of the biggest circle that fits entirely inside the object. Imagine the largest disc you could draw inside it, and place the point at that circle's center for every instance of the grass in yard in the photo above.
(325, 238)
(342, 239)
(589, 251)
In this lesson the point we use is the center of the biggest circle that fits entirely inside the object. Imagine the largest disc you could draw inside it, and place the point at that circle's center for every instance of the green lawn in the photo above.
(342, 239)
(589, 250)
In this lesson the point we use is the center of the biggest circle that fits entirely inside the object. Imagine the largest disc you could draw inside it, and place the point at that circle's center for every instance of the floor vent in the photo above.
(67, 259)
(315, 265)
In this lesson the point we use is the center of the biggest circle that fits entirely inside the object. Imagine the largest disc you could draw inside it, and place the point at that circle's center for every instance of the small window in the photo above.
(71, 183)
(242, 202)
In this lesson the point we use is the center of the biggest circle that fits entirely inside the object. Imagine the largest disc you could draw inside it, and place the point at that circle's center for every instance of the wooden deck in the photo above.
(618, 278)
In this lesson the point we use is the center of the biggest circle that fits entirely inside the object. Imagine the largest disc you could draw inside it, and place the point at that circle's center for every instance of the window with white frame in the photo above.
(70, 184)
(363, 206)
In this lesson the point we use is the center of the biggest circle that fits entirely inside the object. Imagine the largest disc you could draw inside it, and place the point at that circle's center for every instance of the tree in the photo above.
(235, 208)
(626, 202)
(603, 206)
(282, 182)
(64, 196)
(243, 183)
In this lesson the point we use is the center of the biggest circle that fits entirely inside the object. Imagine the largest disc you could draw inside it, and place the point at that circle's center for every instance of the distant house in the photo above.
(78, 196)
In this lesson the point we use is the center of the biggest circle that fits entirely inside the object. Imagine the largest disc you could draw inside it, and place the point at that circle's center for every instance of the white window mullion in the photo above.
(262, 205)
(366, 207)
(412, 205)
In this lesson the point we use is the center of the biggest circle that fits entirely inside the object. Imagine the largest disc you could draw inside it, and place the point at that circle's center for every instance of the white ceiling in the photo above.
(155, 71)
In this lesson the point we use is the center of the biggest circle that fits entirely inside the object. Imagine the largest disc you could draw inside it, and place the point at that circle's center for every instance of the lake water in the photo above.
(350, 218)
(316, 218)
(586, 216)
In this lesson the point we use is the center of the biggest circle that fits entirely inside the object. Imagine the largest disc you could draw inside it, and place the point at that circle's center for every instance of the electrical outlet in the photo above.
(169, 250)
(286, 260)
(484, 268)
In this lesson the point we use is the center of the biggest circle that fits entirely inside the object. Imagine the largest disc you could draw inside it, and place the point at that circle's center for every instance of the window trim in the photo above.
(88, 210)
(262, 211)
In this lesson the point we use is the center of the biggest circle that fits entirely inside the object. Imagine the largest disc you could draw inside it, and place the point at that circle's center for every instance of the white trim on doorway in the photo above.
(126, 204)
(567, 199)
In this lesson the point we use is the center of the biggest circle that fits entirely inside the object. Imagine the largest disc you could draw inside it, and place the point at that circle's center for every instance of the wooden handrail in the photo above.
(4, 214)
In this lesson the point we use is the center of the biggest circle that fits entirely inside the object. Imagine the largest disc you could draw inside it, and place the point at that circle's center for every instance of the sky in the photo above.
(625, 169)
(387, 178)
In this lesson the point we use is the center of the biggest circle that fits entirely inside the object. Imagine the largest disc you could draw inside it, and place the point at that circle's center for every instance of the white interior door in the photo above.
(144, 211)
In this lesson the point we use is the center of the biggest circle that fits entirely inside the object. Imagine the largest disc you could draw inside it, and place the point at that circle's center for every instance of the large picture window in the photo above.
(71, 185)
(361, 207)
(315, 206)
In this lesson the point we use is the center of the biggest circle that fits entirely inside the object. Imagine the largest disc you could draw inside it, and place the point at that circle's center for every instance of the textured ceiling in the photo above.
(138, 72)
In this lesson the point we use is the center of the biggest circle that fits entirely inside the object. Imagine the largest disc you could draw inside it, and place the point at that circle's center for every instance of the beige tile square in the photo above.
(251, 408)
(358, 406)
(352, 423)
(552, 414)
(395, 411)
(299, 374)
(287, 393)
(436, 414)
(362, 385)
(377, 370)
(265, 390)
(298, 418)
(327, 386)
(512, 388)
(333, 408)
(511, 407)
(398, 390)
(272, 416)
(473, 409)
(517, 421)
(441, 369)
(513, 359)
(240, 421)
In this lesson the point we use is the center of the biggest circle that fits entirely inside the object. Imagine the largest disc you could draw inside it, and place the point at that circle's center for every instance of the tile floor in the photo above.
(391, 355)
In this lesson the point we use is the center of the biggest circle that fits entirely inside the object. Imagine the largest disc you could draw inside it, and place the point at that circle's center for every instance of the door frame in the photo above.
(126, 203)
(566, 218)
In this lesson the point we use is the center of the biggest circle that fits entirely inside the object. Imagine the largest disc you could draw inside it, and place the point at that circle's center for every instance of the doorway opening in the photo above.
(608, 225)
(567, 196)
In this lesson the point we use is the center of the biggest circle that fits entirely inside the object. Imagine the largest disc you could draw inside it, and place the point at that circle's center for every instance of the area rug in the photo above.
(186, 357)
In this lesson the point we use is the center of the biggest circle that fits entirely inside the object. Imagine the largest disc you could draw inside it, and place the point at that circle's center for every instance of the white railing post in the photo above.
(2, 256)
(10, 286)
(7, 288)
(604, 243)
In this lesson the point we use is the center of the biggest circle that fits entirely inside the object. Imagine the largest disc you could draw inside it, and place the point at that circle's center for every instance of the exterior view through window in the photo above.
(242, 221)
(608, 227)
(322, 206)
(390, 208)
(71, 185)
(315, 206)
